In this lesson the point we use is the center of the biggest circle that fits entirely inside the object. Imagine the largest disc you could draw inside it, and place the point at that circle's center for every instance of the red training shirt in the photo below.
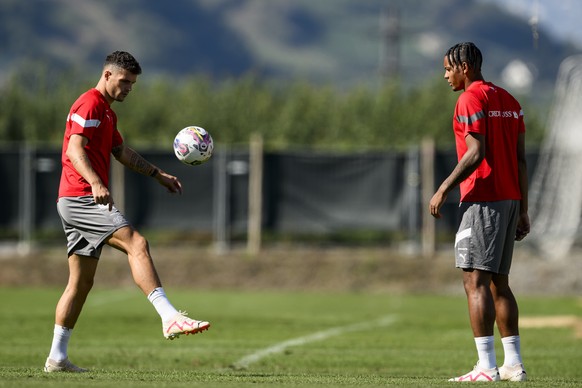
(92, 117)
(491, 111)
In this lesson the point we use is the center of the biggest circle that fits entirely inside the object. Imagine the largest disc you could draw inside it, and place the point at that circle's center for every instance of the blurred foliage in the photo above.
(34, 104)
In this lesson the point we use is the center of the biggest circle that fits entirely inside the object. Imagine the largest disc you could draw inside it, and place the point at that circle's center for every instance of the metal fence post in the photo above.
(427, 178)
(221, 210)
(27, 199)
(255, 194)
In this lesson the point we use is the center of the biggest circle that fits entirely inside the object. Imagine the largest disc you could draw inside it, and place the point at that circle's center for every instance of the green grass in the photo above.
(398, 340)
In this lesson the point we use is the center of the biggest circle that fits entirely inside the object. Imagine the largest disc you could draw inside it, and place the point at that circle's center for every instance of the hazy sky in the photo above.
(559, 17)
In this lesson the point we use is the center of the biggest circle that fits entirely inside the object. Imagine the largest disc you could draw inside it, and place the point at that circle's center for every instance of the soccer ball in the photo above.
(193, 145)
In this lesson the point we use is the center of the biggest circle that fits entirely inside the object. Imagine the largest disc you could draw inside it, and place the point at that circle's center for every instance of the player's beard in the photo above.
(121, 97)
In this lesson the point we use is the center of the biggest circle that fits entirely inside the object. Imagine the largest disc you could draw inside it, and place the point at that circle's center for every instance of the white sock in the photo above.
(486, 351)
(162, 304)
(60, 344)
(512, 350)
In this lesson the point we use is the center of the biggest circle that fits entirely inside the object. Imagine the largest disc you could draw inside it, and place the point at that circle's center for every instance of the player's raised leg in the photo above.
(174, 322)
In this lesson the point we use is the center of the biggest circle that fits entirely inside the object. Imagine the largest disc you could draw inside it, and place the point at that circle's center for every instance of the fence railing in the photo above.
(248, 191)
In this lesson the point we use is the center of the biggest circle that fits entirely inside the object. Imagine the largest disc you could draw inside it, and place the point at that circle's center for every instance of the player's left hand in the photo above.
(523, 227)
(170, 182)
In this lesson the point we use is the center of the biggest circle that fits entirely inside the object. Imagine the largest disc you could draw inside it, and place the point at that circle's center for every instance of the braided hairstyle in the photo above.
(123, 60)
(465, 52)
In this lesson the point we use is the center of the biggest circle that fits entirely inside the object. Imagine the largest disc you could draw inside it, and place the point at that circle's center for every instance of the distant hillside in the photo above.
(341, 42)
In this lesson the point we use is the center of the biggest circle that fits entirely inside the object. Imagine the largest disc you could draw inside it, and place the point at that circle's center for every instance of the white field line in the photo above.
(280, 347)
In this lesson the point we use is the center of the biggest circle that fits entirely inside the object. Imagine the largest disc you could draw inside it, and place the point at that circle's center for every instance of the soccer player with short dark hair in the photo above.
(89, 216)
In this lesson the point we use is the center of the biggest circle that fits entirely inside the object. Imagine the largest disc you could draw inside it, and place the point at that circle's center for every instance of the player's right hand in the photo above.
(101, 195)
(437, 200)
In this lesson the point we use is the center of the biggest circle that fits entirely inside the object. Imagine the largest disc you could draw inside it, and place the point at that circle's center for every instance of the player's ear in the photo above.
(106, 74)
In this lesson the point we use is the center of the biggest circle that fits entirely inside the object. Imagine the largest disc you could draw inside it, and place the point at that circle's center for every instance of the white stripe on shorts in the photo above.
(463, 234)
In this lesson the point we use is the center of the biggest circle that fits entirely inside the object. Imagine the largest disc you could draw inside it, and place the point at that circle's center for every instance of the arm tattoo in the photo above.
(80, 159)
(139, 164)
(116, 151)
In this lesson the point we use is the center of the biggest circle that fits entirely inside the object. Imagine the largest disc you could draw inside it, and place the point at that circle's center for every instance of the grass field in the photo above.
(277, 339)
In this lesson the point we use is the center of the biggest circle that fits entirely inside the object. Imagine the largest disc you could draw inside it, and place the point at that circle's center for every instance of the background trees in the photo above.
(34, 104)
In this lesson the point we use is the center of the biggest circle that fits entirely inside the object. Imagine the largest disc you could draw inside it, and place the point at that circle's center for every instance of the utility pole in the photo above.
(390, 36)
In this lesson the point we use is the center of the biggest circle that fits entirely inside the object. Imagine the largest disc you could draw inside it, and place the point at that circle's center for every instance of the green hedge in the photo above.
(34, 105)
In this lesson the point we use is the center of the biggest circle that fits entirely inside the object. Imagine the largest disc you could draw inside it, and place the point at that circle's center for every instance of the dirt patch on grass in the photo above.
(553, 321)
(370, 269)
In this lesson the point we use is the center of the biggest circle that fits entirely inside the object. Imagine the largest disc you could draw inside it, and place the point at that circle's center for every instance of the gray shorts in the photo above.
(87, 224)
(486, 235)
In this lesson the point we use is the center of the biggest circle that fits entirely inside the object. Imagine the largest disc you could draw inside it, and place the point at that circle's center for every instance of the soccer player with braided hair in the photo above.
(492, 174)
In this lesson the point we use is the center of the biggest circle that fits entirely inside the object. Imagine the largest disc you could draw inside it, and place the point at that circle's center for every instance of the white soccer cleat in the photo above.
(479, 374)
(181, 324)
(62, 366)
(513, 373)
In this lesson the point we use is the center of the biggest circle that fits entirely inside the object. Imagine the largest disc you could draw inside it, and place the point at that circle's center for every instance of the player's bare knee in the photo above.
(80, 286)
(139, 244)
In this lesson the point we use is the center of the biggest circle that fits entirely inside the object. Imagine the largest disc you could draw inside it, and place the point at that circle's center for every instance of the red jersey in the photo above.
(491, 111)
(92, 117)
